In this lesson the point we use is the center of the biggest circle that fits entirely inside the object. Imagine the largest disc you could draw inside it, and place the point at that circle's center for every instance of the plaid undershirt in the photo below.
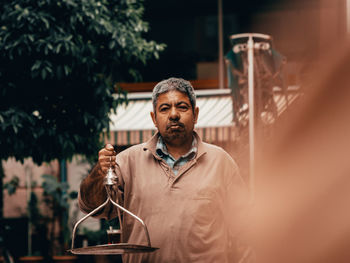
(175, 165)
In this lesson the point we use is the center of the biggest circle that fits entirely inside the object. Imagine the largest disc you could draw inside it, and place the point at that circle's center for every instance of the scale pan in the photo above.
(112, 249)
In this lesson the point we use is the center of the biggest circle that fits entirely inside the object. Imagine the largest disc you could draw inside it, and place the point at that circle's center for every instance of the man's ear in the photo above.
(153, 116)
(196, 112)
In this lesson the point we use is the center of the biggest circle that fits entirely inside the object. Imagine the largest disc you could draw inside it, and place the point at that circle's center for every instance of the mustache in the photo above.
(180, 124)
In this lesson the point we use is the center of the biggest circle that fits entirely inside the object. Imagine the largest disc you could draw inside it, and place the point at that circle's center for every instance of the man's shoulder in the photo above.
(212, 148)
(132, 150)
(217, 152)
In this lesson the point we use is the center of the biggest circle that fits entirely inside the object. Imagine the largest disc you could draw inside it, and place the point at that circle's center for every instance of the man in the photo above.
(189, 193)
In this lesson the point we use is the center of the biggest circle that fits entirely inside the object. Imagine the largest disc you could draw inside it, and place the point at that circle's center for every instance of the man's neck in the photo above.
(179, 150)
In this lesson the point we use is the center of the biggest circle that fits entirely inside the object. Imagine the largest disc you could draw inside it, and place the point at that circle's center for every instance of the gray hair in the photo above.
(178, 84)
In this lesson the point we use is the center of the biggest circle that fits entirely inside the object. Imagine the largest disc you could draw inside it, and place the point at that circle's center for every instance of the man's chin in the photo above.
(175, 138)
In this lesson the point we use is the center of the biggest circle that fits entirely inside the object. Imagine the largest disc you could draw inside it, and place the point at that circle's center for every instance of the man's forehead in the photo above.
(173, 95)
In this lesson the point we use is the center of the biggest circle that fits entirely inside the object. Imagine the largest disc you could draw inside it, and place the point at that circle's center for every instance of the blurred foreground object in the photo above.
(302, 202)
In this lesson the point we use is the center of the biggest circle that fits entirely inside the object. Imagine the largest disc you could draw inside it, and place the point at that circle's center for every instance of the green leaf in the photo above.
(31, 38)
(58, 48)
(12, 185)
(43, 73)
(46, 22)
(66, 70)
(111, 44)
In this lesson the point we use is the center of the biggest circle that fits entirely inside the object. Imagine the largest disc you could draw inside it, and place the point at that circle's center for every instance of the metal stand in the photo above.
(249, 47)
(111, 249)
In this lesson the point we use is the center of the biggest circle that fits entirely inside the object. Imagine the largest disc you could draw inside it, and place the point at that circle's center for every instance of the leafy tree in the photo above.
(59, 60)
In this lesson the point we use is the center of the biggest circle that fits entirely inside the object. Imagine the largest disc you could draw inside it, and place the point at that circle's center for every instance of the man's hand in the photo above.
(106, 158)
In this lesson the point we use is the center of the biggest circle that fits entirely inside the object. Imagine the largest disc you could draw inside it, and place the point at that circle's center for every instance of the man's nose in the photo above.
(174, 114)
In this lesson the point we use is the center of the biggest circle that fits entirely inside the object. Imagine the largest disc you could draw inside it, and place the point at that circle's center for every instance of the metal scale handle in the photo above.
(121, 248)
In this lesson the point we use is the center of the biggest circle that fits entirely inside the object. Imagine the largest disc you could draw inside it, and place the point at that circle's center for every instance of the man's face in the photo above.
(175, 118)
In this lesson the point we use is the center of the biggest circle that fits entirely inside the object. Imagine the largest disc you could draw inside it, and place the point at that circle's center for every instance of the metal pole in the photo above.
(250, 47)
(28, 173)
(63, 170)
(63, 179)
(221, 52)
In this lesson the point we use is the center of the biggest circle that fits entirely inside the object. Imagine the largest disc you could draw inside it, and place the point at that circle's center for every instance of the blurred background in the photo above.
(74, 76)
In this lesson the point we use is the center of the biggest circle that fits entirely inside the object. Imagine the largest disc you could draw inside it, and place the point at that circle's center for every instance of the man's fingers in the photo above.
(104, 151)
(105, 165)
(102, 159)
(107, 151)
(109, 147)
(106, 157)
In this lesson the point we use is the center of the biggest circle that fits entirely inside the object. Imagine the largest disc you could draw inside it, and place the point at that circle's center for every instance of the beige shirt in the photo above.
(192, 217)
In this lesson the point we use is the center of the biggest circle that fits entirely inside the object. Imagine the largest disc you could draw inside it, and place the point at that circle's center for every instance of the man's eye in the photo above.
(183, 107)
(163, 109)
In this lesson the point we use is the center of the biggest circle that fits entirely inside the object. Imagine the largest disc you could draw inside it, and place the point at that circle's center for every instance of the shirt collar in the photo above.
(150, 145)
(162, 150)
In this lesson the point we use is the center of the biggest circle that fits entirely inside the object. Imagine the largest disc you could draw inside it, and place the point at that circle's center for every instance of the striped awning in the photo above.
(133, 124)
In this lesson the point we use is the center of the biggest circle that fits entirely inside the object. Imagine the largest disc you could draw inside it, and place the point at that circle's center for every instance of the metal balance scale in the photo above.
(112, 248)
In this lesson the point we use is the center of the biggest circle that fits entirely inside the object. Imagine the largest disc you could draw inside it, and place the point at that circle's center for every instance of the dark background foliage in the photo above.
(59, 63)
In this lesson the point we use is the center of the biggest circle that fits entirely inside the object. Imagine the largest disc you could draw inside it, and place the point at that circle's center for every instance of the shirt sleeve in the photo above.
(236, 214)
(92, 194)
